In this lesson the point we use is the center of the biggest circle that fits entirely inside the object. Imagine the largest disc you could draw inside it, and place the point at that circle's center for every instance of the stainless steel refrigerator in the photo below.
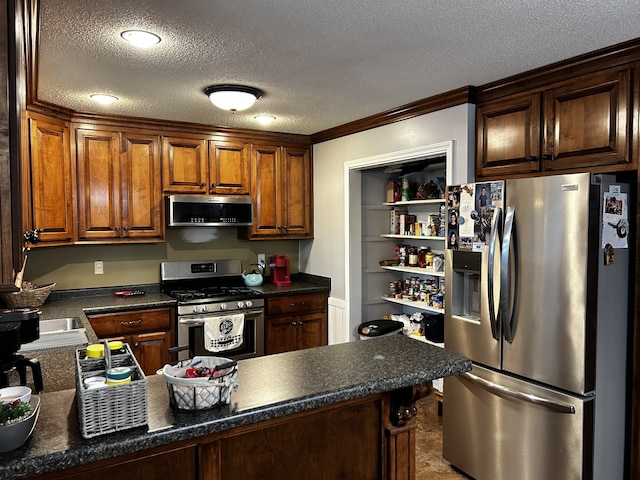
(537, 296)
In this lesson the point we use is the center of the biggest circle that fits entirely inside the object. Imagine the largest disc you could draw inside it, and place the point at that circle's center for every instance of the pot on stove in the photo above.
(254, 278)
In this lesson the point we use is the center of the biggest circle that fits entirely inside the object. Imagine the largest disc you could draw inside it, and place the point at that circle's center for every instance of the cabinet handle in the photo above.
(547, 156)
(532, 158)
(136, 344)
(132, 322)
(296, 304)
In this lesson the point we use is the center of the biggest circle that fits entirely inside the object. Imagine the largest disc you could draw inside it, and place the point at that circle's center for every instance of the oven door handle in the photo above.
(200, 319)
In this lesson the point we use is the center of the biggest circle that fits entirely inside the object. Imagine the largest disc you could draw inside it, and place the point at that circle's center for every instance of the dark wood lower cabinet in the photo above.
(370, 438)
(179, 463)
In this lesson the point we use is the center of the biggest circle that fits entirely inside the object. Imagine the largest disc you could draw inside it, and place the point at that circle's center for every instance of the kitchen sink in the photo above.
(59, 325)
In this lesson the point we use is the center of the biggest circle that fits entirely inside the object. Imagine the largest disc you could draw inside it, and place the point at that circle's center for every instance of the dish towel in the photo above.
(224, 332)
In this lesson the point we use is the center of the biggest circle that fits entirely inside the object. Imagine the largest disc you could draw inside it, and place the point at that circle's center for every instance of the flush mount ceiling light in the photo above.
(233, 97)
(103, 98)
(265, 119)
(140, 38)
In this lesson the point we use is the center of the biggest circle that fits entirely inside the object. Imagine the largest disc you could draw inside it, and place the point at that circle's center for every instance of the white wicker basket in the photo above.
(111, 408)
(203, 392)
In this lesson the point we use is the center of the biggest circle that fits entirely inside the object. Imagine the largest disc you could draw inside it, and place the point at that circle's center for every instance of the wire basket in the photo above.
(202, 392)
(110, 408)
(27, 298)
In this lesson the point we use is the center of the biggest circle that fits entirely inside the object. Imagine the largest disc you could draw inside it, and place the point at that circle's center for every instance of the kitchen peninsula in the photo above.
(338, 411)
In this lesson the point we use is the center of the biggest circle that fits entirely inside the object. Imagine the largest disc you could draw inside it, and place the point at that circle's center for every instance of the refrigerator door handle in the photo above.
(496, 235)
(509, 318)
(526, 397)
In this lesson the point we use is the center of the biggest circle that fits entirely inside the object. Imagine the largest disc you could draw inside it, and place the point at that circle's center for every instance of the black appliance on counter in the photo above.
(211, 289)
(17, 327)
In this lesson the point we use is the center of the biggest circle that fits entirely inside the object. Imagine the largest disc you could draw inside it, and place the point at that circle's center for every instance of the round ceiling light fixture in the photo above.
(103, 98)
(233, 97)
(140, 38)
(265, 119)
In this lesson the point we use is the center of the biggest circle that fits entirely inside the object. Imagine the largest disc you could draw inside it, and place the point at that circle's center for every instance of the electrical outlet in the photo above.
(98, 267)
(261, 259)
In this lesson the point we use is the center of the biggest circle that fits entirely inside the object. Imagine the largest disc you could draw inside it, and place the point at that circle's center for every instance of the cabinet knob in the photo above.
(293, 323)
(213, 185)
(532, 158)
(203, 184)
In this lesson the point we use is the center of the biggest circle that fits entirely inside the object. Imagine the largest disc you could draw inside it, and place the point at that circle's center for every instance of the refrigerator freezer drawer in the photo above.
(500, 428)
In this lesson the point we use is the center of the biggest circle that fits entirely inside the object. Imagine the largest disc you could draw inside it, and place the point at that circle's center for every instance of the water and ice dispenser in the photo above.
(465, 284)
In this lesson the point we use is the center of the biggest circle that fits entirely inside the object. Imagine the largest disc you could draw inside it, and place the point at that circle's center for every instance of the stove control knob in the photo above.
(240, 304)
(196, 309)
(205, 308)
(223, 306)
(249, 303)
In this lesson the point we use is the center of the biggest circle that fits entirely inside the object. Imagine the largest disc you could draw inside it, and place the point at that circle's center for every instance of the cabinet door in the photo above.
(176, 463)
(98, 184)
(297, 195)
(229, 168)
(508, 135)
(184, 165)
(151, 350)
(265, 166)
(48, 202)
(142, 201)
(311, 330)
(280, 334)
(588, 121)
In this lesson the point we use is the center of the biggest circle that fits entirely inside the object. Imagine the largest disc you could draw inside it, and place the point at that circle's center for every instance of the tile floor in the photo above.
(429, 462)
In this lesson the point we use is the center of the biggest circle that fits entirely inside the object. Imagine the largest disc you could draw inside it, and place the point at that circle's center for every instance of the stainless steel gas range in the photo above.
(211, 290)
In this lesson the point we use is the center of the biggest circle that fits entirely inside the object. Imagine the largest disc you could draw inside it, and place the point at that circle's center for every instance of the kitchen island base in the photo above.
(368, 438)
(344, 411)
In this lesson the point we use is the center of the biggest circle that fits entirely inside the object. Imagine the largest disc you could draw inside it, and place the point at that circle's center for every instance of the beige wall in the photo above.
(72, 267)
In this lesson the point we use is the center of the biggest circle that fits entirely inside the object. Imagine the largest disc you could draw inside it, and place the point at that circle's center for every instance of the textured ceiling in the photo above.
(321, 63)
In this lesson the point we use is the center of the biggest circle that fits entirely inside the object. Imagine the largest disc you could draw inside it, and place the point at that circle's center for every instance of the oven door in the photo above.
(191, 333)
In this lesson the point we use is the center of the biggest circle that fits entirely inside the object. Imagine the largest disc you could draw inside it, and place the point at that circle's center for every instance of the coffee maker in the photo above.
(279, 268)
(17, 327)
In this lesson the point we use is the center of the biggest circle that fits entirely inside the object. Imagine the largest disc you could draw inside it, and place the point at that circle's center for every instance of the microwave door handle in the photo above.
(503, 391)
(496, 235)
(508, 309)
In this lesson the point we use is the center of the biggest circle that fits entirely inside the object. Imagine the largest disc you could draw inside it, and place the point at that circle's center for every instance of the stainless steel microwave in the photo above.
(208, 211)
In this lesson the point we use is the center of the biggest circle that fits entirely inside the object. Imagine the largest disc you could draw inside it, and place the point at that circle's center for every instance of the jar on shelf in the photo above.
(413, 257)
(422, 257)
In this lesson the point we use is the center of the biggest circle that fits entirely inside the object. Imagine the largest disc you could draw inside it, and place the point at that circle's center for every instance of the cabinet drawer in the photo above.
(296, 304)
(138, 321)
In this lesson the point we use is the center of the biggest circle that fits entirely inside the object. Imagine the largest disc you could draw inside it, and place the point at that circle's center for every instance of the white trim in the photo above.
(338, 324)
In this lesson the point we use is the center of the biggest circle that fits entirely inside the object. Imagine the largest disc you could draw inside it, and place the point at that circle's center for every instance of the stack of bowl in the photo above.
(14, 433)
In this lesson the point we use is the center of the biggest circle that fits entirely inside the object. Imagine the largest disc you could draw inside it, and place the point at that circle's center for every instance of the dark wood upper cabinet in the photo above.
(580, 123)
(587, 121)
(184, 165)
(47, 196)
(508, 135)
(229, 167)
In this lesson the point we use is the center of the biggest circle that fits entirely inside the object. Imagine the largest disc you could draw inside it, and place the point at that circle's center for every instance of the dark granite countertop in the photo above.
(269, 387)
(80, 303)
